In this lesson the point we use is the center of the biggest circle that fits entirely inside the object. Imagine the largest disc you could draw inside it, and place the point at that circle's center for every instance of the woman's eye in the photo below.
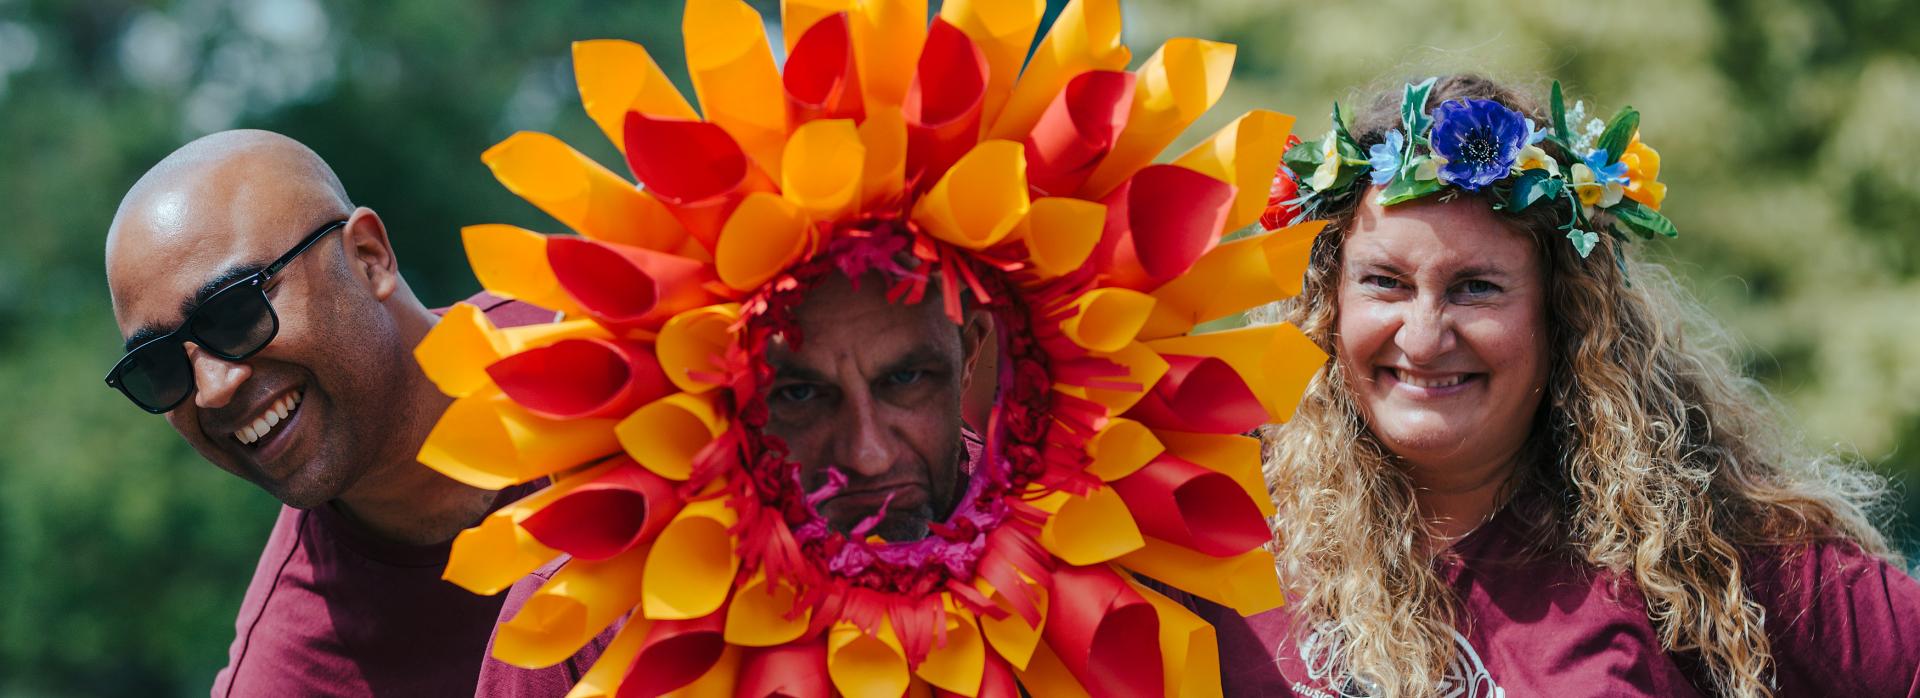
(1381, 282)
(1478, 287)
(798, 392)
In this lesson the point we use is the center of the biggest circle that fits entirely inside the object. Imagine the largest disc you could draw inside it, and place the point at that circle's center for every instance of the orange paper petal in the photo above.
(691, 345)
(956, 666)
(490, 557)
(1177, 84)
(456, 352)
(1077, 129)
(863, 664)
(883, 176)
(510, 262)
(603, 679)
(1231, 278)
(1121, 448)
(823, 169)
(666, 434)
(765, 235)
(582, 378)
(577, 191)
(1003, 29)
(1060, 233)
(1186, 504)
(821, 78)
(1188, 646)
(623, 508)
(695, 168)
(1200, 394)
(797, 17)
(1159, 224)
(1245, 583)
(1245, 154)
(692, 563)
(580, 601)
(761, 614)
(1091, 529)
(1095, 625)
(485, 441)
(627, 288)
(943, 104)
(980, 200)
(1107, 319)
(734, 76)
(1086, 36)
(673, 655)
(1011, 636)
(616, 77)
(1236, 456)
(1276, 361)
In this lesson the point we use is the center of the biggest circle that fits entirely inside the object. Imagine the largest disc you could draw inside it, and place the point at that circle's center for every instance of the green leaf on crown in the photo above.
(1413, 112)
(1559, 124)
(1640, 219)
(1619, 133)
(1305, 157)
(1405, 188)
(1533, 186)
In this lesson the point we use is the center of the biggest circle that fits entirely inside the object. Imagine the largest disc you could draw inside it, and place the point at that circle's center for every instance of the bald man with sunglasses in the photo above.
(266, 319)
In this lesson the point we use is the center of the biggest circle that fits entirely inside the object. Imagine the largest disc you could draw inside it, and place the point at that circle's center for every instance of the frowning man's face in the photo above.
(873, 389)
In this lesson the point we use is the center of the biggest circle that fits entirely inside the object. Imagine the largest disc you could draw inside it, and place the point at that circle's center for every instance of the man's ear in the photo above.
(973, 337)
(370, 253)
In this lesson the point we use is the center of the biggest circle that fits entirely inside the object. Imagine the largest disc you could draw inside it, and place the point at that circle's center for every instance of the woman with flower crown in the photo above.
(1530, 467)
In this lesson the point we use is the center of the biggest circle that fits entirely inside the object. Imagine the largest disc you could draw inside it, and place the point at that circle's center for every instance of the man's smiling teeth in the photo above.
(276, 413)
(1418, 382)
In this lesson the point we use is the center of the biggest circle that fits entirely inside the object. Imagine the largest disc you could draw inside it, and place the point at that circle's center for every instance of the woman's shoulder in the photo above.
(1838, 617)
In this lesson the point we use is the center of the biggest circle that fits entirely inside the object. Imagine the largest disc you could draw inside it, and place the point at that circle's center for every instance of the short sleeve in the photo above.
(1841, 621)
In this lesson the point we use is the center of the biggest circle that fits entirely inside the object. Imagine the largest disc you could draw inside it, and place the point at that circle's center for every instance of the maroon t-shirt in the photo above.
(334, 610)
(1841, 623)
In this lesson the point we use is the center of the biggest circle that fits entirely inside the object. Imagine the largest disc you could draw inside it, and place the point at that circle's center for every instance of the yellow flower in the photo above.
(1643, 167)
(1329, 170)
(1534, 158)
(1591, 191)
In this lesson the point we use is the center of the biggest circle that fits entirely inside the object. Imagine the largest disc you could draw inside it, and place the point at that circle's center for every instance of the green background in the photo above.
(1787, 130)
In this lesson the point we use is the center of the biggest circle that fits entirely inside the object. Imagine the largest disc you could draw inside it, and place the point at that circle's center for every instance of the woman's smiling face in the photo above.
(1442, 330)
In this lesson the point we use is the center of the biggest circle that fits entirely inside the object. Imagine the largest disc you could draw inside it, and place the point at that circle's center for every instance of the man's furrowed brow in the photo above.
(788, 370)
(918, 357)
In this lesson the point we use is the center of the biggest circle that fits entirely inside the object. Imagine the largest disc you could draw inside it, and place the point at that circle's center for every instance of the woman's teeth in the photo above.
(264, 424)
(1418, 382)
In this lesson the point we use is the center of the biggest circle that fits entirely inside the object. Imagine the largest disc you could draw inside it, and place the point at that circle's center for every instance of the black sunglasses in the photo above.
(234, 323)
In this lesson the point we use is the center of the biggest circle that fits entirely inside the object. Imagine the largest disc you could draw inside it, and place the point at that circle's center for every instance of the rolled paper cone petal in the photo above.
(1144, 368)
(883, 175)
(1245, 154)
(765, 235)
(1177, 84)
(1092, 529)
(1086, 36)
(582, 378)
(734, 76)
(1096, 625)
(1107, 319)
(526, 337)
(1004, 30)
(695, 168)
(1245, 583)
(1159, 224)
(996, 681)
(887, 38)
(1288, 250)
(1186, 504)
(1060, 233)
(943, 104)
(1231, 278)
(864, 665)
(1276, 361)
(1236, 456)
(1121, 448)
(510, 262)
(980, 200)
(603, 679)
(550, 445)
(484, 441)
(822, 79)
(1200, 394)
(692, 343)
(623, 508)
(692, 563)
(674, 654)
(785, 671)
(1077, 129)
(1188, 646)
(624, 287)
(577, 191)
(456, 352)
(720, 680)
(1011, 636)
(616, 77)
(758, 616)
(823, 165)
(582, 599)
(956, 666)
(491, 556)
(1047, 676)
(666, 434)
(797, 17)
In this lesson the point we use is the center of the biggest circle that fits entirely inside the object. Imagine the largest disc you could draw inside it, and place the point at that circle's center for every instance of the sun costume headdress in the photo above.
(925, 153)
(1480, 145)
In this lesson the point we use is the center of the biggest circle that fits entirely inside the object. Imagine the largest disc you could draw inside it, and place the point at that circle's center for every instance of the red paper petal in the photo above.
(582, 378)
(786, 671)
(1077, 130)
(821, 79)
(943, 103)
(1159, 222)
(1104, 631)
(625, 287)
(1184, 503)
(624, 507)
(675, 653)
(996, 681)
(1201, 394)
(693, 167)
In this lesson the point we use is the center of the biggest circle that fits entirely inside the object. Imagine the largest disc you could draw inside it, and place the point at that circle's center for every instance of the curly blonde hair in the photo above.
(1645, 411)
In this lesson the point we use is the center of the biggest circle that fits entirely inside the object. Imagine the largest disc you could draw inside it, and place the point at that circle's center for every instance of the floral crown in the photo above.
(1480, 145)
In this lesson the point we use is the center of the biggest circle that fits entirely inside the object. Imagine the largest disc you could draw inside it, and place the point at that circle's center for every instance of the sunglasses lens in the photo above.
(234, 323)
(157, 376)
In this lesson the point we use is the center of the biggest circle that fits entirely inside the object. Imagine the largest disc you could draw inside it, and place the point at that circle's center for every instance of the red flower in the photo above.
(1285, 189)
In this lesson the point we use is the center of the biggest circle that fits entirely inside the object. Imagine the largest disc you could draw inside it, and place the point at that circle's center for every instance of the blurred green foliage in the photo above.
(1786, 130)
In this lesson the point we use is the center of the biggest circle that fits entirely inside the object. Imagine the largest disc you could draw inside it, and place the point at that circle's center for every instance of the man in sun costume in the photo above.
(924, 157)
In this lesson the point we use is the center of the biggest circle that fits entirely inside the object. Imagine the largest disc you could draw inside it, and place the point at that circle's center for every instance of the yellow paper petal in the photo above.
(511, 262)
(456, 353)
(692, 343)
(1189, 652)
(883, 175)
(491, 556)
(1121, 448)
(1275, 360)
(665, 435)
(547, 445)
(734, 77)
(957, 665)
(581, 600)
(1233, 455)
(485, 441)
(1107, 319)
(980, 199)
(719, 680)
(1144, 368)
(1177, 84)
(1010, 635)
(1061, 232)
(757, 617)
(577, 191)
(865, 666)
(692, 563)
(822, 168)
(1047, 676)
(526, 337)
(1287, 253)
(1086, 36)
(797, 16)
(1227, 279)
(1003, 30)
(1092, 529)
(616, 77)
(603, 680)
(1244, 154)
(887, 35)
(765, 235)
(1246, 582)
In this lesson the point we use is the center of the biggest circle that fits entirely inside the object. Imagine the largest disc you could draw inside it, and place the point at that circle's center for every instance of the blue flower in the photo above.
(1480, 140)
(1386, 157)
(1602, 172)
